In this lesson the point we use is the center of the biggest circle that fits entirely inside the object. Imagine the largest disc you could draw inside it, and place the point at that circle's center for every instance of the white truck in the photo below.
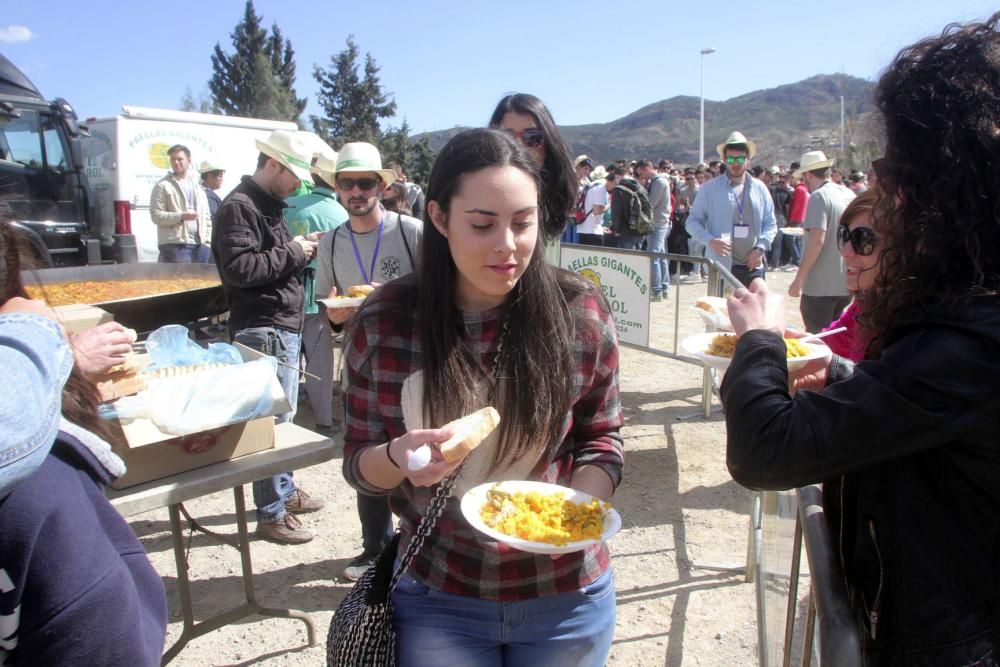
(125, 155)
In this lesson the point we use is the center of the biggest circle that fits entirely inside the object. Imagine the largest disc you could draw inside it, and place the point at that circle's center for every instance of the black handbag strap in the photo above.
(427, 523)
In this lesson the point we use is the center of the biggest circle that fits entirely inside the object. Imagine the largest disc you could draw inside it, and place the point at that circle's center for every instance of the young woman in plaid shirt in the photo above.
(485, 320)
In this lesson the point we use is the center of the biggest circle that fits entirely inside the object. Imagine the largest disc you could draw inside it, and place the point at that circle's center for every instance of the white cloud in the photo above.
(15, 33)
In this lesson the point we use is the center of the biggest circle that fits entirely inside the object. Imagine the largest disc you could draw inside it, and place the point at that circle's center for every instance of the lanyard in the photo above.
(357, 255)
(741, 203)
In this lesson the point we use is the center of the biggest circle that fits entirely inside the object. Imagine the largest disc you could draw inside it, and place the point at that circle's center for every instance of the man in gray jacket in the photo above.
(179, 209)
(658, 187)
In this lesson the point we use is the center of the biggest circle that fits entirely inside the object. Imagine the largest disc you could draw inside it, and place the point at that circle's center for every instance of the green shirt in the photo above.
(317, 211)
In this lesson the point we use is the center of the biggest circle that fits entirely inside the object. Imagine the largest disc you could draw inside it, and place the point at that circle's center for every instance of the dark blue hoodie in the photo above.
(76, 587)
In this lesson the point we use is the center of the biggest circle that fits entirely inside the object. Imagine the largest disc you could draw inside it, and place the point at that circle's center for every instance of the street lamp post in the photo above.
(701, 124)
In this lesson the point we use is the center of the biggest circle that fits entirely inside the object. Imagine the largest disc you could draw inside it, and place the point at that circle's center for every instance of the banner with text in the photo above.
(624, 279)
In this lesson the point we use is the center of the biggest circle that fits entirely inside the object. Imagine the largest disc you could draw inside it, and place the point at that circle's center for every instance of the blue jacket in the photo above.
(76, 587)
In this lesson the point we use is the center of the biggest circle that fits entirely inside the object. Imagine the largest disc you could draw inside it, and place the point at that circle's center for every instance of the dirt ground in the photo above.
(683, 517)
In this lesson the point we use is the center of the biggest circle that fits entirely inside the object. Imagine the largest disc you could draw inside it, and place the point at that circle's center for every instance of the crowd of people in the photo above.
(899, 420)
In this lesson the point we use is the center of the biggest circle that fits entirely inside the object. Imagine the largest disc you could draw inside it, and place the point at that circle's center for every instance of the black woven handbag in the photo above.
(361, 633)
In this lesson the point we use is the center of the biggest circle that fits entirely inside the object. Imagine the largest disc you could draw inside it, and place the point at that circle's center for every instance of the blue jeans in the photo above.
(269, 495)
(774, 254)
(795, 248)
(443, 630)
(36, 360)
(656, 241)
(185, 253)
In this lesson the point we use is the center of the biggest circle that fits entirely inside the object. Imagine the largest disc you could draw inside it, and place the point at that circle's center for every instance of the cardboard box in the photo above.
(150, 454)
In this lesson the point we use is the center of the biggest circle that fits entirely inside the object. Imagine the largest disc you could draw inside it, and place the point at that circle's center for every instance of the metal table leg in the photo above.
(249, 608)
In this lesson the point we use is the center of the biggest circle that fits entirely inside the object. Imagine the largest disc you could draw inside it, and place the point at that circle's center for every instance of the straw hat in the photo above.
(360, 156)
(599, 174)
(811, 161)
(325, 167)
(293, 150)
(737, 138)
(318, 146)
(582, 158)
(207, 166)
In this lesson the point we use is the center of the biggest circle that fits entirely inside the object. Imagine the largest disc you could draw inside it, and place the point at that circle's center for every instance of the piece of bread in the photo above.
(360, 290)
(469, 430)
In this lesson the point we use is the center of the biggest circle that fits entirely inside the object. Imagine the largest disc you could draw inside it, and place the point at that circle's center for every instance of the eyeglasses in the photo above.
(532, 137)
(366, 183)
(862, 239)
(736, 159)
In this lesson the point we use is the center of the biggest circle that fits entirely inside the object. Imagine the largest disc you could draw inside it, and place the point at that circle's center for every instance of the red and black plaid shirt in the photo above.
(456, 558)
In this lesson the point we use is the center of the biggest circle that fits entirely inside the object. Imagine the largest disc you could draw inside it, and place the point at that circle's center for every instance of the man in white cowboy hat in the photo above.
(317, 212)
(179, 209)
(211, 180)
(584, 168)
(733, 215)
(261, 267)
(374, 247)
(820, 278)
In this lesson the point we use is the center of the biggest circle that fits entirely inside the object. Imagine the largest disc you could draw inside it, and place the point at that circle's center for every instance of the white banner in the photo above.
(624, 279)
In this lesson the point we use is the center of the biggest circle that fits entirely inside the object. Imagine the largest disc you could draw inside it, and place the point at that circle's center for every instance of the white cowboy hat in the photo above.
(208, 166)
(325, 166)
(811, 161)
(737, 138)
(293, 150)
(599, 174)
(361, 156)
(319, 147)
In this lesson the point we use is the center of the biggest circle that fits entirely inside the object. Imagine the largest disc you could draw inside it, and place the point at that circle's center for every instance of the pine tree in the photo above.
(420, 160)
(257, 80)
(352, 105)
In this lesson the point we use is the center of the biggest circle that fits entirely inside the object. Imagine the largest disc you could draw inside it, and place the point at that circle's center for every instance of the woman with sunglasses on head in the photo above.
(485, 320)
(907, 440)
(527, 119)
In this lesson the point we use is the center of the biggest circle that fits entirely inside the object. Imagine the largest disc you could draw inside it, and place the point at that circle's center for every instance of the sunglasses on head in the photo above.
(736, 159)
(367, 183)
(862, 239)
(532, 137)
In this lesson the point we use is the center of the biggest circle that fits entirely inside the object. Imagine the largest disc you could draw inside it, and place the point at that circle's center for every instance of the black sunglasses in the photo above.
(532, 137)
(862, 239)
(363, 183)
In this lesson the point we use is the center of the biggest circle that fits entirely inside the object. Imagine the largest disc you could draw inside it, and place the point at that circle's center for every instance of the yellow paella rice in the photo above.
(543, 517)
(724, 345)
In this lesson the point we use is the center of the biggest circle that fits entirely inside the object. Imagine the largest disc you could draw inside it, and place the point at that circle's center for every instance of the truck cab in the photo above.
(43, 185)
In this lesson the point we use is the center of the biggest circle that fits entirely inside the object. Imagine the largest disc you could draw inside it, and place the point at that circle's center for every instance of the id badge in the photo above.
(741, 231)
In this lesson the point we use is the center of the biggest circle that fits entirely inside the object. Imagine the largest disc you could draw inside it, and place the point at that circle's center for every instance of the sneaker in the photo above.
(359, 565)
(286, 530)
(657, 296)
(301, 502)
(327, 430)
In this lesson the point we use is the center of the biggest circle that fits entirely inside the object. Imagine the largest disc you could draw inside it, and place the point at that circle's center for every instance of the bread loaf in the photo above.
(469, 431)
(359, 290)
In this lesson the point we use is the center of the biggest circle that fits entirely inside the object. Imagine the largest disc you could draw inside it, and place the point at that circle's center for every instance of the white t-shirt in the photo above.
(596, 196)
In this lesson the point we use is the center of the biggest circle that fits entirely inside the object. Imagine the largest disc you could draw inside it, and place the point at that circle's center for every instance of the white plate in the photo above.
(697, 344)
(793, 231)
(473, 500)
(349, 302)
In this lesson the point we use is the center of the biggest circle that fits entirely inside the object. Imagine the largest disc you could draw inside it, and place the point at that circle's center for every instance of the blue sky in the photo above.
(447, 63)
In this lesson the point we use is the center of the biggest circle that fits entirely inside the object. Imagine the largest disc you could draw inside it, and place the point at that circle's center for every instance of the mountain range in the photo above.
(783, 122)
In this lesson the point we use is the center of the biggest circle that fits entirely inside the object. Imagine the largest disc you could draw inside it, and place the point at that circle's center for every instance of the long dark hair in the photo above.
(79, 396)
(534, 389)
(940, 211)
(558, 194)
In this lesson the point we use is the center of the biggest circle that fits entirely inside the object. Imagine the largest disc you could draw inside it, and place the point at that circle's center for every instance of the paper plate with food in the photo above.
(355, 297)
(538, 517)
(714, 312)
(716, 349)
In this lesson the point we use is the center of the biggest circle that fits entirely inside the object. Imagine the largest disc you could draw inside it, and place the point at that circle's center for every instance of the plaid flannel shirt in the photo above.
(456, 558)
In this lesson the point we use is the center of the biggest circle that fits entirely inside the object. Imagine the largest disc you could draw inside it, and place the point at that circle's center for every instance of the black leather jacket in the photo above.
(909, 449)
(260, 266)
